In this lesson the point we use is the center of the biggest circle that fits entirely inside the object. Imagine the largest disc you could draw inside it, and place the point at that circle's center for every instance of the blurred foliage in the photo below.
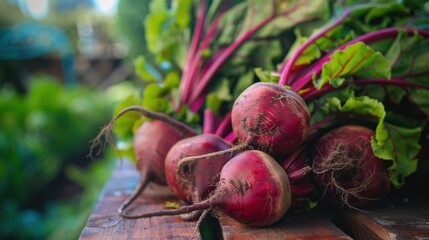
(129, 24)
(48, 186)
(66, 20)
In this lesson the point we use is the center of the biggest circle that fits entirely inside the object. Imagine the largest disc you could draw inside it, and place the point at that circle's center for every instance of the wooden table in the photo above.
(376, 224)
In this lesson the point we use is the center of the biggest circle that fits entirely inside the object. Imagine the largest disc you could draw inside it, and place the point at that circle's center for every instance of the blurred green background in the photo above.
(64, 65)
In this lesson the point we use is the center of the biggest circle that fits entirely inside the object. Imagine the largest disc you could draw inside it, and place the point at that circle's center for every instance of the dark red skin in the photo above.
(205, 173)
(253, 189)
(152, 141)
(270, 118)
(354, 142)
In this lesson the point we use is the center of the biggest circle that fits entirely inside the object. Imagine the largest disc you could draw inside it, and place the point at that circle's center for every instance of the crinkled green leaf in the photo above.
(365, 106)
(357, 60)
(308, 55)
(397, 144)
(400, 145)
(334, 38)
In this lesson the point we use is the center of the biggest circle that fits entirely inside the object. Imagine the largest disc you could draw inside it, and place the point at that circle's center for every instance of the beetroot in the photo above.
(152, 141)
(270, 118)
(346, 168)
(253, 189)
(267, 117)
(205, 174)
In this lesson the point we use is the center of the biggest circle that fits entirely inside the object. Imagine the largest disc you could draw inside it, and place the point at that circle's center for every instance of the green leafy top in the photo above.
(357, 60)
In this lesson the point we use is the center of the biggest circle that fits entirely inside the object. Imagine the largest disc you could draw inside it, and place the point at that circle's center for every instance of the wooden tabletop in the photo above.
(104, 222)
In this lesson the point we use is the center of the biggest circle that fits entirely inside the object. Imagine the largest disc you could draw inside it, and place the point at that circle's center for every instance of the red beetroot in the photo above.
(267, 117)
(253, 189)
(205, 174)
(152, 141)
(346, 168)
(270, 118)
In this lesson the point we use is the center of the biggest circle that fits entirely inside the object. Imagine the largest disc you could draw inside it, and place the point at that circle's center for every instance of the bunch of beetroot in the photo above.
(329, 123)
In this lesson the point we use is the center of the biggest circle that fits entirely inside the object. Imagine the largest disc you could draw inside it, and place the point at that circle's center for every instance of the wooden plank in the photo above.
(124, 178)
(399, 222)
(117, 189)
(293, 226)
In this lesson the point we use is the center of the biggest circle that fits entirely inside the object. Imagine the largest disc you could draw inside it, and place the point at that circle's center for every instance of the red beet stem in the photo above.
(185, 164)
(172, 212)
(301, 189)
(299, 174)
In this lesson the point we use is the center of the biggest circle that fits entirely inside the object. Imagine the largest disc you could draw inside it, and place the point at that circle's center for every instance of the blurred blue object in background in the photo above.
(28, 40)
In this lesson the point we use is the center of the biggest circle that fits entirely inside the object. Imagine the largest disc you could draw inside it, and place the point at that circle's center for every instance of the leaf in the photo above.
(390, 93)
(332, 39)
(421, 97)
(125, 124)
(155, 23)
(311, 53)
(400, 145)
(365, 106)
(306, 10)
(154, 98)
(408, 55)
(171, 205)
(356, 60)
(144, 70)
(244, 81)
(383, 10)
(182, 9)
(166, 30)
(267, 76)
(220, 93)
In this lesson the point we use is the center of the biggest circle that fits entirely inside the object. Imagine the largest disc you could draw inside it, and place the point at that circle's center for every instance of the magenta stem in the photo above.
(193, 65)
(299, 174)
(210, 122)
(291, 62)
(231, 137)
(368, 38)
(300, 190)
(313, 92)
(185, 81)
(225, 126)
(202, 83)
(291, 159)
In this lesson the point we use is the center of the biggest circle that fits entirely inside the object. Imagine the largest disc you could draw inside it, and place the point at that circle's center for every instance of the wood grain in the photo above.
(123, 180)
(292, 226)
(400, 222)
